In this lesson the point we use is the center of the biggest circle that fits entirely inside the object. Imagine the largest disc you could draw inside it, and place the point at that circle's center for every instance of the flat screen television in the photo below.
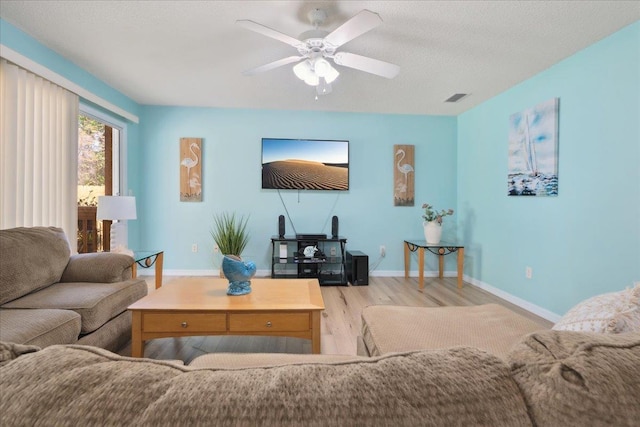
(305, 164)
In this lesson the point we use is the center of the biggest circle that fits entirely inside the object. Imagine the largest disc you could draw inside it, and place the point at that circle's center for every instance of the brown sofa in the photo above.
(550, 378)
(49, 297)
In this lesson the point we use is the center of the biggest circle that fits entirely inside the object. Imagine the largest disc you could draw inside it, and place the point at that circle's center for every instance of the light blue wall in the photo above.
(587, 240)
(232, 177)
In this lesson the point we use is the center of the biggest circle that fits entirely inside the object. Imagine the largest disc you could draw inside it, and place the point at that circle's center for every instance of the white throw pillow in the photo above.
(610, 313)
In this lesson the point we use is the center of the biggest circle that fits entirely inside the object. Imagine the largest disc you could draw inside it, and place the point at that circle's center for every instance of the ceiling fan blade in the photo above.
(364, 21)
(266, 31)
(369, 65)
(272, 65)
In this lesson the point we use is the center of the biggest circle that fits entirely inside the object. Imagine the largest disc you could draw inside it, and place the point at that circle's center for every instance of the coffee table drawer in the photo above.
(290, 322)
(176, 322)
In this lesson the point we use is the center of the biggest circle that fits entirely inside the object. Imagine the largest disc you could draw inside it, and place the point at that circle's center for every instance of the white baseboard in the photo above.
(535, 309)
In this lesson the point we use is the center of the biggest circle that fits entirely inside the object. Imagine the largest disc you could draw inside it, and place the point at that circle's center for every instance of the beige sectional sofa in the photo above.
(550, 378)
(49, 297)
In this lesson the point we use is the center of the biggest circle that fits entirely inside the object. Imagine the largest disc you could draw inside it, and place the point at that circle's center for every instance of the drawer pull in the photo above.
(184, 324)
(268, 324)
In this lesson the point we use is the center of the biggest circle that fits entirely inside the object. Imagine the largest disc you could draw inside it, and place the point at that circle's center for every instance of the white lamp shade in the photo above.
(116, 207)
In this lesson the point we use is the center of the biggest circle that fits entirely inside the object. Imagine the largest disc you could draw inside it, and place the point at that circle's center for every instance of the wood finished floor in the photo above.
(341, 321)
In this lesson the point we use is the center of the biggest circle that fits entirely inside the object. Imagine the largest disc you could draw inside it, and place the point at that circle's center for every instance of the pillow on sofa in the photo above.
(578, 378)
(610, 313)
(32, 258)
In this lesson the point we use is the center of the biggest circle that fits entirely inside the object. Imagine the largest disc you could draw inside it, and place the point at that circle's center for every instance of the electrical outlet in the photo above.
(216, 249)
(383, 251)
(194, 247)
(528, 272)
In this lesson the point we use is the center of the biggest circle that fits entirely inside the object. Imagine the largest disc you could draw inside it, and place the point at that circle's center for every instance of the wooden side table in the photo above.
(441, 249)
(146, 259)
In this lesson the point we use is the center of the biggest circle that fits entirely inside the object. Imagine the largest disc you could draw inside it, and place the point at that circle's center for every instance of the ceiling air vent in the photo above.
(456, 97)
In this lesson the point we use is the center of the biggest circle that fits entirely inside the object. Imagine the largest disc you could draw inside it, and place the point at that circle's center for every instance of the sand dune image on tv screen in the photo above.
(303, 174)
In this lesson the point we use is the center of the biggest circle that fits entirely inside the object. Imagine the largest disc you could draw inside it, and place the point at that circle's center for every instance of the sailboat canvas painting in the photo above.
(533, 151)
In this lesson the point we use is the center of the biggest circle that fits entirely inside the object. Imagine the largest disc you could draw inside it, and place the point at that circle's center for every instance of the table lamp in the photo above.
(116, 208)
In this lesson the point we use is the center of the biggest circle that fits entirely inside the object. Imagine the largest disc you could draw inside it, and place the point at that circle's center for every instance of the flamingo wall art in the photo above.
(190, 169)
(403, 175)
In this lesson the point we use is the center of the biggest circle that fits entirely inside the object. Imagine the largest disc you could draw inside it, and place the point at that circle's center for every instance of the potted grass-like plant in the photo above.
(230, 233)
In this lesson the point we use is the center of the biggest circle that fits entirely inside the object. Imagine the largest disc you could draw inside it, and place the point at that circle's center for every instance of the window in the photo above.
(100, 166)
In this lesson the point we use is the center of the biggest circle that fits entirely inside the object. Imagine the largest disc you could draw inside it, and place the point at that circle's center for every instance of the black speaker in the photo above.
(334, 227)
(281, 226)
(357, 268)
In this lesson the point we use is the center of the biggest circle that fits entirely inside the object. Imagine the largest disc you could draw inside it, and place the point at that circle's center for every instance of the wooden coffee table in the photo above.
(201, 306)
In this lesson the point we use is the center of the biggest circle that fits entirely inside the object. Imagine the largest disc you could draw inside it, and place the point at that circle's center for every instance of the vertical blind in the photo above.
(38, 152)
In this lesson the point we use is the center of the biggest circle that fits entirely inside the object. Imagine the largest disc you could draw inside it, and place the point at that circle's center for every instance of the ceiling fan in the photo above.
(316, 46)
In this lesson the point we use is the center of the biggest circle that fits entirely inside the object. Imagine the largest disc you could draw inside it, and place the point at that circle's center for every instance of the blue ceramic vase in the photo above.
(239, 274)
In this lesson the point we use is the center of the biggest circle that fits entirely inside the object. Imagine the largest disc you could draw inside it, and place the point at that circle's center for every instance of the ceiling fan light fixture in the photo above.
(312, 80)
(321, 66)
(331, 75)
(303, 70)
(316, 46)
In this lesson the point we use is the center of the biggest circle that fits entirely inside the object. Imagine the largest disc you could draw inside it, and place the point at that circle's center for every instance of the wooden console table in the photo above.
(441, 249)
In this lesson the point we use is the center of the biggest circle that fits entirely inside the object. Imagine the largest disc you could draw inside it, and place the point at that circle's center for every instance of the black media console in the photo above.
(327, 264)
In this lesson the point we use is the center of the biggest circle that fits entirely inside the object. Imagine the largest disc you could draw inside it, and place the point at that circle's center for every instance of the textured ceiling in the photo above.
(191, 53)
